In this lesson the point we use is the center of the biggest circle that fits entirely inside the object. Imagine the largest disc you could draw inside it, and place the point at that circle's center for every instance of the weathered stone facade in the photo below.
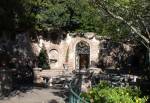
(68, 54)
(66, 49)
(64, 53)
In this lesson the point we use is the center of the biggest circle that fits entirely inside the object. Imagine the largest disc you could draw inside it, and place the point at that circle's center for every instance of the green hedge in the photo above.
(104, 93)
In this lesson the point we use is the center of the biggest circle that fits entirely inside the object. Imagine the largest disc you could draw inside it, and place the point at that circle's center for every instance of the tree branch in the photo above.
(101, 5)
(144, 25)
(144, 44)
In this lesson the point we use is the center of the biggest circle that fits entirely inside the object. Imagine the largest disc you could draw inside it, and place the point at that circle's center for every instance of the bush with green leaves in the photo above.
(43, 60)
(104, 93)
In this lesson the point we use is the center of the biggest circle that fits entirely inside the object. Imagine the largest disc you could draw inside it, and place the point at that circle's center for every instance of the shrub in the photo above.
(104, 93)
(43, 60)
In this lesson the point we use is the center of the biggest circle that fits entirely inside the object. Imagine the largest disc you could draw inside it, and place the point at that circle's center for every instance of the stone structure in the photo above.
(74, 52)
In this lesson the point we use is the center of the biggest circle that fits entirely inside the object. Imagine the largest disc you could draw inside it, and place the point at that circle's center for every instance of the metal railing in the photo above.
(74, 87)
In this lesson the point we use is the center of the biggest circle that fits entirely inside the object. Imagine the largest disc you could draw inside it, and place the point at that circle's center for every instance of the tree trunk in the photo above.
(148, 57)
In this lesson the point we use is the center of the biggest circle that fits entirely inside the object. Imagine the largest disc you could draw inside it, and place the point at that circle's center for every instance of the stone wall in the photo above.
(126, 56)
(102, 50)
(68, 45)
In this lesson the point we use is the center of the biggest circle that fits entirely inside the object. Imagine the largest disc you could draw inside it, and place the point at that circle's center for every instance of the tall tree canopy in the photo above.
(70, 15)
(78, 15)
(134, 14)
(131, 17)
(17, 15)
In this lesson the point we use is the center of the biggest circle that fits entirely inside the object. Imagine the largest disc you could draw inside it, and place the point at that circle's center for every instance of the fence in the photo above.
(75, 86)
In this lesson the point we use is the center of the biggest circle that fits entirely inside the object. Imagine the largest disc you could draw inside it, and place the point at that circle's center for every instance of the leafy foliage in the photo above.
(75, 15)
(104, 93)
(131, 17)
(43, 60)
(69, 15)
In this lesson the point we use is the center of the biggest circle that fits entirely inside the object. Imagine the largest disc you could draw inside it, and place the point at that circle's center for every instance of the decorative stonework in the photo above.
(82, 55)
(89, 35)
(84, 43)
(82, 48)
(53, 58)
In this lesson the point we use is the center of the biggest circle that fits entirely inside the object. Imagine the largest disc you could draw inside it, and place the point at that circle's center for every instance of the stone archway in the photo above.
(82, 57)
(53, 58)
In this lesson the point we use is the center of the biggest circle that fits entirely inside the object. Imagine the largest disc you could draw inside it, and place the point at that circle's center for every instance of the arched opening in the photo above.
(53, 58)
(82, 58)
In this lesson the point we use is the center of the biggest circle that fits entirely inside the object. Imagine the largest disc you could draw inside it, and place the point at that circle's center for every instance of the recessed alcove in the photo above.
(53, 58)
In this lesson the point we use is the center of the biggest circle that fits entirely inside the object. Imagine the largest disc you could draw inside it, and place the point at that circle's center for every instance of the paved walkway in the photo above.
(36, 96)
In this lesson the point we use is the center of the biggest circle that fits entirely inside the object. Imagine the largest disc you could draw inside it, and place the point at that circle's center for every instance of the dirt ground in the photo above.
(36, 95)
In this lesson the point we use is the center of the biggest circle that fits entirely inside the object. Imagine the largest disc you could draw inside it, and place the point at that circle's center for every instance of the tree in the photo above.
(41, 15)
(134, 14)
(69, 15)
(17, 15)
(43, 59)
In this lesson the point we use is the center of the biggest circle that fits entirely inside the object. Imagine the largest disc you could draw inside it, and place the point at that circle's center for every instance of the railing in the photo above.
(75, 91)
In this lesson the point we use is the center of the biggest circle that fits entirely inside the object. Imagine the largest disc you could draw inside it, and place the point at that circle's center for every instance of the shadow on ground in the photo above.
(64, 93)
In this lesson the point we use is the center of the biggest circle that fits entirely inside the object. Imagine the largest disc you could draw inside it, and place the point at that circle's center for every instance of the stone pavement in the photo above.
(42, 95)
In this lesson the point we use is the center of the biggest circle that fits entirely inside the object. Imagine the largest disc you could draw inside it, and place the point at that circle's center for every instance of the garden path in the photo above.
(36, 95)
